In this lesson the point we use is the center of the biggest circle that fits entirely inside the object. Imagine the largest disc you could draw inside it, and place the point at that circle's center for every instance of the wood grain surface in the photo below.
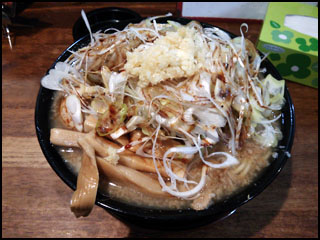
(35, 202)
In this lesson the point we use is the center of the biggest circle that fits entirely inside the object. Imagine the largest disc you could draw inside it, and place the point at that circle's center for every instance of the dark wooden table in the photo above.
(35, 202)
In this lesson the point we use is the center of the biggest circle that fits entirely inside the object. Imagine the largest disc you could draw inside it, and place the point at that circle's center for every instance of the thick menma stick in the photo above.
(65, 138)
(102, 146)
(129, 175)
(84, 197)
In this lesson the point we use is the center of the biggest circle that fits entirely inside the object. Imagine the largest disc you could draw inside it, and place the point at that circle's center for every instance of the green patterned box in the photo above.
(293, 53)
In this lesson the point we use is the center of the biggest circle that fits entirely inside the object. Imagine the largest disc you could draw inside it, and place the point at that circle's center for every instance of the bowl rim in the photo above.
(225, 206)
(134, 16)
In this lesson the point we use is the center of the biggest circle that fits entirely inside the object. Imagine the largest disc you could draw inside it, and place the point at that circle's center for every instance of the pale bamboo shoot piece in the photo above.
(129, 175)
(84, 197)
(103, 147)
(132, 160)
(65, 138)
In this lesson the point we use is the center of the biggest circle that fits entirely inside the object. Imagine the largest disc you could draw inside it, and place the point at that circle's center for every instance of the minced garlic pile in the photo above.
(172, 56)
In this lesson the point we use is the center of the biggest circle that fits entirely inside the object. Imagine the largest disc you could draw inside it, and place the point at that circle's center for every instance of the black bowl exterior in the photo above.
(167, 219)
(104, 18)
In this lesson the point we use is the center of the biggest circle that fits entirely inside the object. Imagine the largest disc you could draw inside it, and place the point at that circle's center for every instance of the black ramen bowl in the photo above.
(166, 219)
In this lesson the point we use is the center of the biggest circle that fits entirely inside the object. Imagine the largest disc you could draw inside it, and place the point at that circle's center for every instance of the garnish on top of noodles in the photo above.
(173, 81)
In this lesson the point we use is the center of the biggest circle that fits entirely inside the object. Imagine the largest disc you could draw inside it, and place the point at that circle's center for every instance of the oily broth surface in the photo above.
(220, 184)
(223, 183)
